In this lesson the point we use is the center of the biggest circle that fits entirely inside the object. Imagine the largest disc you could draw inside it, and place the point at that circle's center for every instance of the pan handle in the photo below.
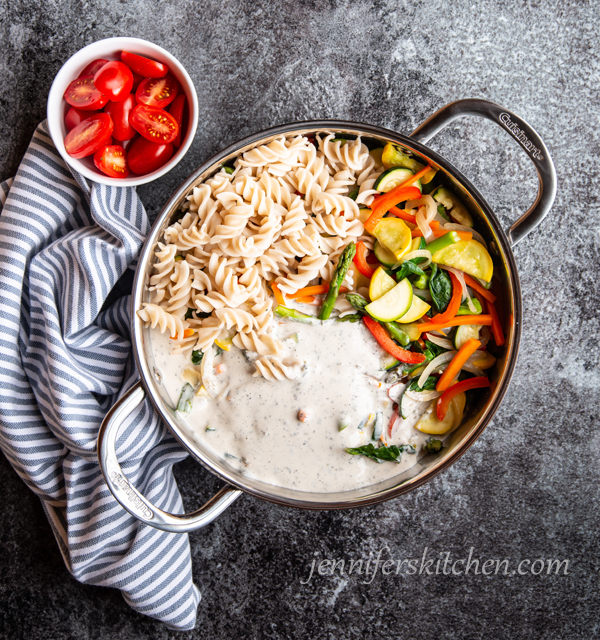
(523, 133)
(129, 497)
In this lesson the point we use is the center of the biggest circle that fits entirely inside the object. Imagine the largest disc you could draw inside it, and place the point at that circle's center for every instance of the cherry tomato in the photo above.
(119, 112)
(89, 136)
(75, 116)
(145, 156)
(176, 110)
(157, 92)
(136, 81)
(114, 80)
(83, 94)
(127, 143)
(154, 124)
(145, 67)
(92, 68)
(112, 160)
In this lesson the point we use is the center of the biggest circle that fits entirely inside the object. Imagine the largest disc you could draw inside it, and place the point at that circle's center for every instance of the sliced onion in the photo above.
(434, 364)
(424, 219)
(440, 219)
(427, 201)
(471, 368)
(441, 342)
(440, 332)
(484, 335)
(424, 226)
(423, 396)
(207, 372)
(461, 227)
(472, 307)
(419, 253)
(395, 391)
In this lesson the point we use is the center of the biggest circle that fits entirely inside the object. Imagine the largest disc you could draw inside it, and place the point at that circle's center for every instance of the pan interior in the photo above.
(427, 466)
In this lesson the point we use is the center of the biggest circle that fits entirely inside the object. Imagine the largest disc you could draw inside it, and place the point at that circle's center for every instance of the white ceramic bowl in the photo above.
(110, 49)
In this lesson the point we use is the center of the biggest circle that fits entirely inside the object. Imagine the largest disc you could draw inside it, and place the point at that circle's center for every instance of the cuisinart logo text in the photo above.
(520, 136)
(117, 478)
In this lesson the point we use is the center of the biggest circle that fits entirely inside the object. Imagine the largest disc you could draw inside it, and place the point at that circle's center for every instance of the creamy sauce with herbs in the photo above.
(253, 423)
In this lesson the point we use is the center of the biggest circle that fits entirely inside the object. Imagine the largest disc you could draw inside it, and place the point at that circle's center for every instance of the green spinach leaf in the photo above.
(429, 385)
(440, 287)
(392, 453)
(409, 267)
(435, 349)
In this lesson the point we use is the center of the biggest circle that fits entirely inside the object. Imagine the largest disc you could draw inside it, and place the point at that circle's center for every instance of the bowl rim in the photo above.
(354, 497)
(84, 56)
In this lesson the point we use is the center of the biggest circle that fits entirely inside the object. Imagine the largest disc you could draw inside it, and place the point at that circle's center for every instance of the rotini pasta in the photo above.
(281, 215)
(272, 368)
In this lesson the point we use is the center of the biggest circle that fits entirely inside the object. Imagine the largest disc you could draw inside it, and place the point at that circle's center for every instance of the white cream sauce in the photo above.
(253, 423)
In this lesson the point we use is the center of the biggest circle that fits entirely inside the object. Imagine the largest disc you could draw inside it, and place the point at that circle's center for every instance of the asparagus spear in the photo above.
(336, 281)
(397, 333)
(355, 317)
(357, 301)
(285, 312)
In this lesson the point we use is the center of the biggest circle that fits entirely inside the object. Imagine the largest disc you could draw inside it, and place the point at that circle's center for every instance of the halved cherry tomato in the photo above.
(92, 68)
(83, 94)
(89, 136)
(112, 160)
(157, 92)
(145, 156)
(176, 110)
(120, 112)
(136, 82)
(145, 67)
(154, 124)
(76, 116)
(114, 80)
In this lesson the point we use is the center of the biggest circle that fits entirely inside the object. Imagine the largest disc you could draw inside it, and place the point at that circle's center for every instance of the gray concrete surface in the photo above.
(528, 489)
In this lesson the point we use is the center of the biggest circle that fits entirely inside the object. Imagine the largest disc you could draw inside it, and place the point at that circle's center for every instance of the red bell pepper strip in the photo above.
(446, 397)
(382, 204)
(393, 419)
(360, 260)
(453, 305)
(496, 326)
(384, 340)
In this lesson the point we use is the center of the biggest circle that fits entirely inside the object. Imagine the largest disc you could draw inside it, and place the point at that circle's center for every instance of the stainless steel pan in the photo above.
(486, 223)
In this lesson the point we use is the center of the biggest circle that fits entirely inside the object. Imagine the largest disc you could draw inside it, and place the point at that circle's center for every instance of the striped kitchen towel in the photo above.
(65, 360)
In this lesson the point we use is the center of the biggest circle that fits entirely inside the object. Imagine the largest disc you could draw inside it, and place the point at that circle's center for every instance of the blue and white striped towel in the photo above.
(65, 361)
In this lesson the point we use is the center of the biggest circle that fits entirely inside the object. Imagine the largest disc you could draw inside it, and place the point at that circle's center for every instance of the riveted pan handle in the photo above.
(524, 134)
(129, 497)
